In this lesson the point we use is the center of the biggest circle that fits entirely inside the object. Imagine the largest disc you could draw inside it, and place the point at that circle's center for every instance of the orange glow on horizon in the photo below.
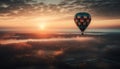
(53, 22)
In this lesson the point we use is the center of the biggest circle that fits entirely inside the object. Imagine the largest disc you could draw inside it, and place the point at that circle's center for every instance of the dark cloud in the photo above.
(8, 7)
(101, 53)
(108, 8)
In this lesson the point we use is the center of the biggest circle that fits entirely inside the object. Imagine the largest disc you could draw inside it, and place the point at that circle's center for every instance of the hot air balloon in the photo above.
(82, 20)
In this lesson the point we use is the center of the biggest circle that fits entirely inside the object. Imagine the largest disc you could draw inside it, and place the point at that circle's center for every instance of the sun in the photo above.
(42, 27)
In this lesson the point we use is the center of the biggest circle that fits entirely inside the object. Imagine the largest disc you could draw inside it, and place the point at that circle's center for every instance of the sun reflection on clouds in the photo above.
(84, 38)
(44, 53)
(59, 52)
(77, 38)
(41, 53)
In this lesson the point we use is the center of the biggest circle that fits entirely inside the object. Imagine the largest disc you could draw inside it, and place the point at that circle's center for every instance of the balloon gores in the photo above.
(82, 20)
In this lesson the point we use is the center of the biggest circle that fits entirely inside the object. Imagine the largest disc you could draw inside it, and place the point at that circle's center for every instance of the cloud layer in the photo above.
(108, 8)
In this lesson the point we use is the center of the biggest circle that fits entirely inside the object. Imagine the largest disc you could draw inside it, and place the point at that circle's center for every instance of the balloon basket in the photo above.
(82, 33)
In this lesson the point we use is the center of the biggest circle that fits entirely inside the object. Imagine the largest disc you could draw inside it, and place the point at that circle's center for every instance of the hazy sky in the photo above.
(57, 14)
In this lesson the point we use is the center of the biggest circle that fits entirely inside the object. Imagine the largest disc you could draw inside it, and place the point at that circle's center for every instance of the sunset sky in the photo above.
(57, 14)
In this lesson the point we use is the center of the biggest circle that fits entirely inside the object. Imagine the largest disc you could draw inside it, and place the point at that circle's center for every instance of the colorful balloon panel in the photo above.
(82, 20)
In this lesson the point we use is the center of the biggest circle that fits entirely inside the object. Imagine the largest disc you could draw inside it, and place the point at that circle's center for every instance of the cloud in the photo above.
(108, 8)
(99, 7)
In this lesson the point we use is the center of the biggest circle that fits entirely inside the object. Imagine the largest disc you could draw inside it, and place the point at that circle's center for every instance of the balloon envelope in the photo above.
(82, 20)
